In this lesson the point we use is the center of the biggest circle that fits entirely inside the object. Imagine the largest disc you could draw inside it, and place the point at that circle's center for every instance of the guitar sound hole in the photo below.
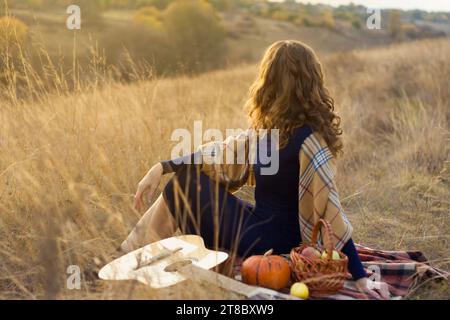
(177, 265)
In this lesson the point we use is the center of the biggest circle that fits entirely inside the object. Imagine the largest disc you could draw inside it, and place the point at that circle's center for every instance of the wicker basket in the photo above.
(322, 276)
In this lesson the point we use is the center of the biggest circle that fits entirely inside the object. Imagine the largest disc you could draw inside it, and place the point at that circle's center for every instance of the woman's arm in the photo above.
(355, 266)
(211, 158)
(176, 165)
(226, 161)
(378, 290)
(148, 184)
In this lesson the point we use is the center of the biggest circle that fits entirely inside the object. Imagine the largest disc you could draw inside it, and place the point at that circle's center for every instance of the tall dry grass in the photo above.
(70, 162)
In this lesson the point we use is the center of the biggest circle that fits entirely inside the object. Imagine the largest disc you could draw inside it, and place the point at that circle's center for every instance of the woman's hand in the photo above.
(147, 186)
(375, 289)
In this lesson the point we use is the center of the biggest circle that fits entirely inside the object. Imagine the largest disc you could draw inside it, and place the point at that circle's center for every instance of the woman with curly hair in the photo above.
(288, 98)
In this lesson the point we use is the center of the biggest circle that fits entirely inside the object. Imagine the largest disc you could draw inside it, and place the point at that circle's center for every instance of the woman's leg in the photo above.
(156, 224)
(202, 206)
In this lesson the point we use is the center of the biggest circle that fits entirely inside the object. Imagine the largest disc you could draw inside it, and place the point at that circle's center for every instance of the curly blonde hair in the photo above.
(289, 92)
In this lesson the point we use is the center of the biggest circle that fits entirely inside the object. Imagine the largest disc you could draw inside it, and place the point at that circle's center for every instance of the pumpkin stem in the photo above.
(268, 253)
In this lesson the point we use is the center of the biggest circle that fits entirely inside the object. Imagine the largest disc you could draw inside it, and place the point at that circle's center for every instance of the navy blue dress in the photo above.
(206, 208)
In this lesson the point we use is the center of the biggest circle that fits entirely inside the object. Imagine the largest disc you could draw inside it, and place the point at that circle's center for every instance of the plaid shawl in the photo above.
(318, 196)
(220, 160)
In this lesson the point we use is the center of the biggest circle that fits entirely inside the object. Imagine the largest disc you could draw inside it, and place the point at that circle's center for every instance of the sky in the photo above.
(428, 5)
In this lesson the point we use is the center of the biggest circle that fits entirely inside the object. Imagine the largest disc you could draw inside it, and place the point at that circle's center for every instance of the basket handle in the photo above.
(327, 239)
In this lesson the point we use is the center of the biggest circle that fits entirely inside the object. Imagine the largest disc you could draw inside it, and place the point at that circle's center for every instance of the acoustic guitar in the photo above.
(173, 260)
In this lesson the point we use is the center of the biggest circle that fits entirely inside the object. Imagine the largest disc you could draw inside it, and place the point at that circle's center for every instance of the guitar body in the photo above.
(152, 264)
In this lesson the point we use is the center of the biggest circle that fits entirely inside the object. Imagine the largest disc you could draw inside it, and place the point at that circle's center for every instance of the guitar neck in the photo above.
(251, 292)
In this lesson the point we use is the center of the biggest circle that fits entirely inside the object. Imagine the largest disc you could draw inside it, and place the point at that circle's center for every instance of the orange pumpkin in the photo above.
(268, 271)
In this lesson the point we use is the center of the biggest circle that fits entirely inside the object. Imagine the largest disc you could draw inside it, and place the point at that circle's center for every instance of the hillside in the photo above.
(248, 37)
(244, 31)
(73, 162)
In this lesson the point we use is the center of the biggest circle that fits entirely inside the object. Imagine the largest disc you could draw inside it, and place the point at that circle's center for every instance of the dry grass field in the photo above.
(70, 162)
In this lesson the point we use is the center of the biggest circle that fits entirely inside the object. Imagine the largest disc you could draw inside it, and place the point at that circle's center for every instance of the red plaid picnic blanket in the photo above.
(401, 270)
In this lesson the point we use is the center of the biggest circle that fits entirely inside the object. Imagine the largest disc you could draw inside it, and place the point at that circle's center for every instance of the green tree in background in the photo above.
(187, 36)
(195, 34)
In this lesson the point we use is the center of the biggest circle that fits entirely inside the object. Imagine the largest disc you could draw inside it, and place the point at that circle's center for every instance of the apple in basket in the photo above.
(311, 253)
(300, 265)
(335, 255)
